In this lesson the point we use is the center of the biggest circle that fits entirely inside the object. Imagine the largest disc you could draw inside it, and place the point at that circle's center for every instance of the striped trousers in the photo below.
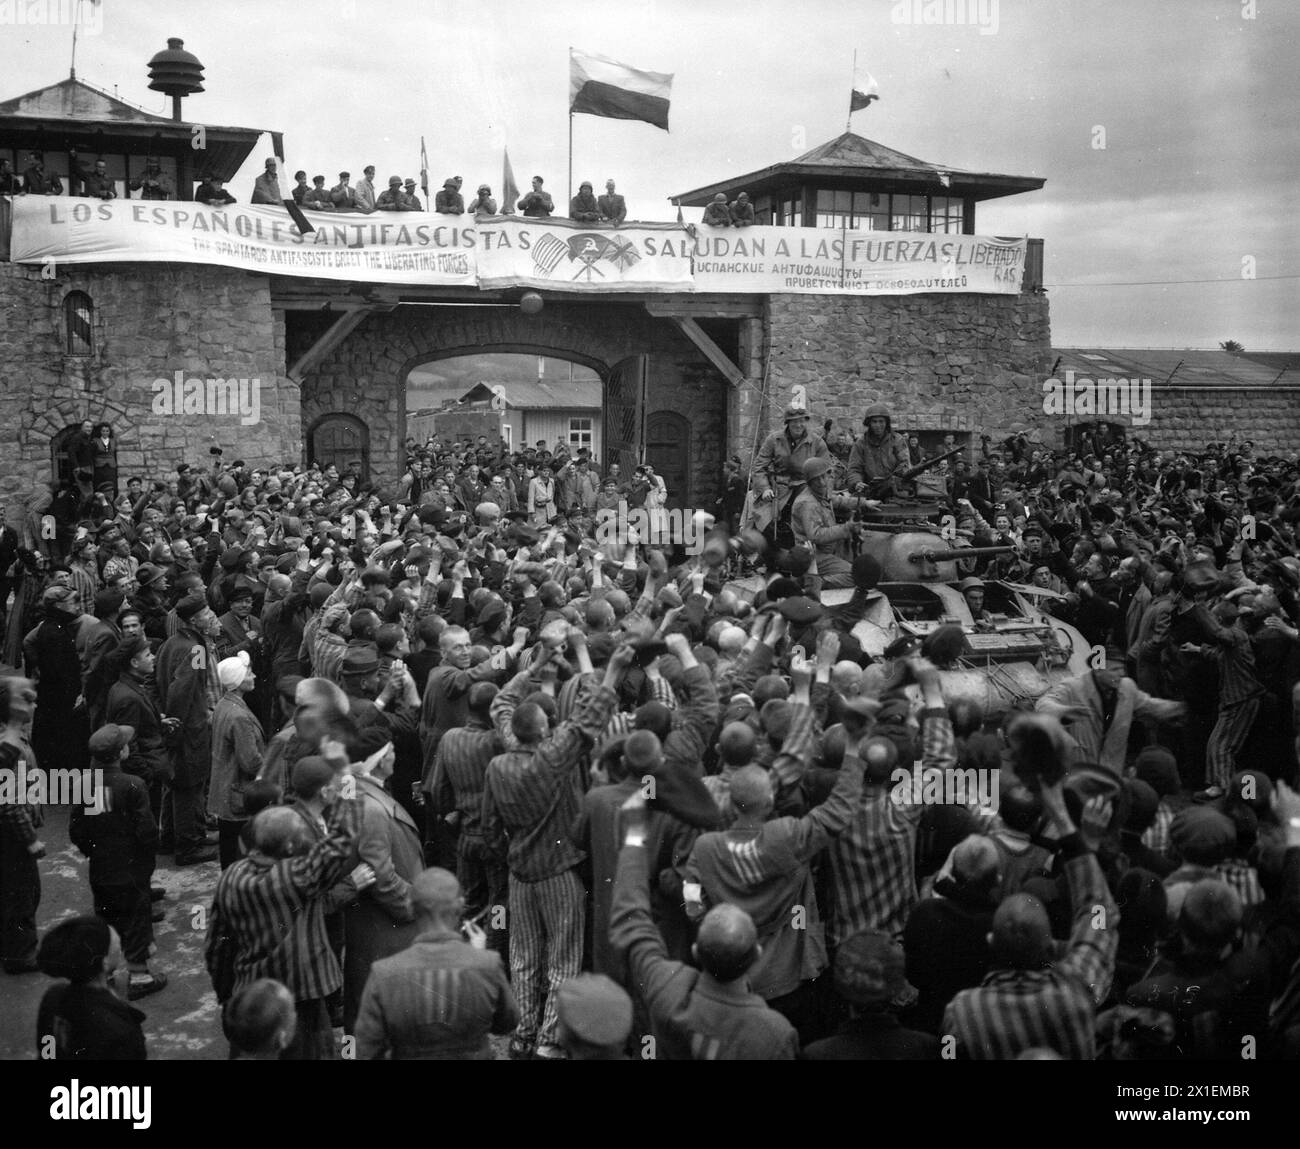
(546, 924)
(1226, 739)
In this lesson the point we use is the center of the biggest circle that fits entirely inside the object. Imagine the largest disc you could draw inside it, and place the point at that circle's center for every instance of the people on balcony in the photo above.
(537, 204)
(365, 190)
(153, 184)
(342, 195)
(318, 196)
(583, 207)
(483, 203)
(449, 201)
(37, 181)
(413, 202)
(266, 188)
(742, 211)
(716, 212)
(212, 192)
(394, 199)
(613, 208)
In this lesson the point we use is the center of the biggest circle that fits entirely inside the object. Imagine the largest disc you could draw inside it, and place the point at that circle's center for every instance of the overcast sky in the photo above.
(1199, 108)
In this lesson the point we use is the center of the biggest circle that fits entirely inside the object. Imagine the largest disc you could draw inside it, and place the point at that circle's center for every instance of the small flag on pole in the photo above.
(600, 86)
(509, 189)
(865, 89)
(424, 173)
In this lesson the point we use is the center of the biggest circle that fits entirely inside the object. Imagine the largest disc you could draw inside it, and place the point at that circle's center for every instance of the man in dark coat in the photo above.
(188, 689)
(58, 736)
(119, 836)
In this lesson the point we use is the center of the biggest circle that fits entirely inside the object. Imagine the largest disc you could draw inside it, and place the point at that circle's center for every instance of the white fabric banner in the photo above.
(513, 251)
(821, 261)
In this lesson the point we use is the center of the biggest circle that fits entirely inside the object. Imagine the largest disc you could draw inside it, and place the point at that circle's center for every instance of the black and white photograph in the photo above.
(668, 531)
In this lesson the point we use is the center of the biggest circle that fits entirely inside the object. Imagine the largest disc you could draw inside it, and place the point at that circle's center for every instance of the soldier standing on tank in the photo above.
(778, 467)
(880, 454)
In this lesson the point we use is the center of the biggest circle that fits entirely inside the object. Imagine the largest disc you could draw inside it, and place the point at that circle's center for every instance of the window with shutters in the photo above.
(79, 323)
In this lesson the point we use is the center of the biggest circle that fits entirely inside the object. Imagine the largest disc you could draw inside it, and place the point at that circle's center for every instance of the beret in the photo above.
(231, 557)
(238, 593)
(148, 574)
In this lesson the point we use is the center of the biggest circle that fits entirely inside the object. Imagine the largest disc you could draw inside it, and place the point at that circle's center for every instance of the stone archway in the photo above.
(366, 373)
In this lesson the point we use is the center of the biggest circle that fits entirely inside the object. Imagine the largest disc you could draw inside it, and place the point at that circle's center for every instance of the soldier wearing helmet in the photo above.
(879, 455)
(813, 520)
(778, 467)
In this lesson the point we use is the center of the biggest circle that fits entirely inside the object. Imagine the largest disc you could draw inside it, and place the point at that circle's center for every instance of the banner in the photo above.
(821, 261)
(386, 247)
(422, 248)
(568, 256)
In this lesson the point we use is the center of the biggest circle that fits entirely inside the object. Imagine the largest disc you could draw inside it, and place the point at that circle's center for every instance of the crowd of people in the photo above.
(443, 733)
(364, 196)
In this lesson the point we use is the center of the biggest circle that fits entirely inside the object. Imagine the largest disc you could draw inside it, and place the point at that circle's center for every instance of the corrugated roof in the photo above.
(559, 393)
(855, 157)
(1174, 367)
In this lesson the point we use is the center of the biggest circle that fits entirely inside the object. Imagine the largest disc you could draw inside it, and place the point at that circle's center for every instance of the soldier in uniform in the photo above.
(879, 454)
(779, 464)
(815, 526)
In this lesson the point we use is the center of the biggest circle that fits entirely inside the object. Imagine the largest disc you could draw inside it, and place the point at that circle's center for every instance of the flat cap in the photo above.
(595, 1009)
(110, 739)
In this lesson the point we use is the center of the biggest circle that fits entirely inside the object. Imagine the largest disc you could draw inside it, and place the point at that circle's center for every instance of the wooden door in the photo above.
(625, 414)
(341, 440)
(668, 450)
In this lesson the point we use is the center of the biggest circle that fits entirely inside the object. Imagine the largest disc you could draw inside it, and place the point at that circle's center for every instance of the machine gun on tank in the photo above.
(879, 488)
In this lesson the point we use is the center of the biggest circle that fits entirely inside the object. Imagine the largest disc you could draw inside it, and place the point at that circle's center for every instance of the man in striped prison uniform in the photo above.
(1240, 692)
(440, 998)
(1028, 1001)
(268, 918)
(873, 860)
(532, 796)
(459, 775)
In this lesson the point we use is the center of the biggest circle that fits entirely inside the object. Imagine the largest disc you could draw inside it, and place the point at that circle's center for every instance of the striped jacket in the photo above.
(533, 796)
(268, 915)
(1017, 1009)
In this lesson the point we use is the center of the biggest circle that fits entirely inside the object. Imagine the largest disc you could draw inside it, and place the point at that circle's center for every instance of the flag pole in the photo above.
(570, 199)
(76, 23)
(848, 120)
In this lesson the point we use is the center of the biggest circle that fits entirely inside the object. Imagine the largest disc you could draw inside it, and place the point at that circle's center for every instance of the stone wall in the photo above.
(955, 362)
(366, 374)
(1186, 419)
(150, 321)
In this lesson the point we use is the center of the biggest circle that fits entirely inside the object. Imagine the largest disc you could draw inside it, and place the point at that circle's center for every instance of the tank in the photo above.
(1016, 656)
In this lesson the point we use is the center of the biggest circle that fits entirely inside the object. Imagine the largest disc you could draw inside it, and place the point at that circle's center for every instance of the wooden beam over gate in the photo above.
(712, 352)
(333, 335)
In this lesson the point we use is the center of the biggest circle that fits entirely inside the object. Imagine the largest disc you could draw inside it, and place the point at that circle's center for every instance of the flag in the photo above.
(286, 185)
(509, 189)
(424, 174)
(602, 87)
(865, 89)
(945, 179)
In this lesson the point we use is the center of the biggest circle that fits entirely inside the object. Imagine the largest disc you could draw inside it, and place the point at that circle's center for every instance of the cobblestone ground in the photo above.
(182, 1021)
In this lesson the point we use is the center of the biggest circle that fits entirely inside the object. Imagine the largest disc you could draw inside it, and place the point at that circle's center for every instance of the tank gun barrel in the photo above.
(950, 554)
